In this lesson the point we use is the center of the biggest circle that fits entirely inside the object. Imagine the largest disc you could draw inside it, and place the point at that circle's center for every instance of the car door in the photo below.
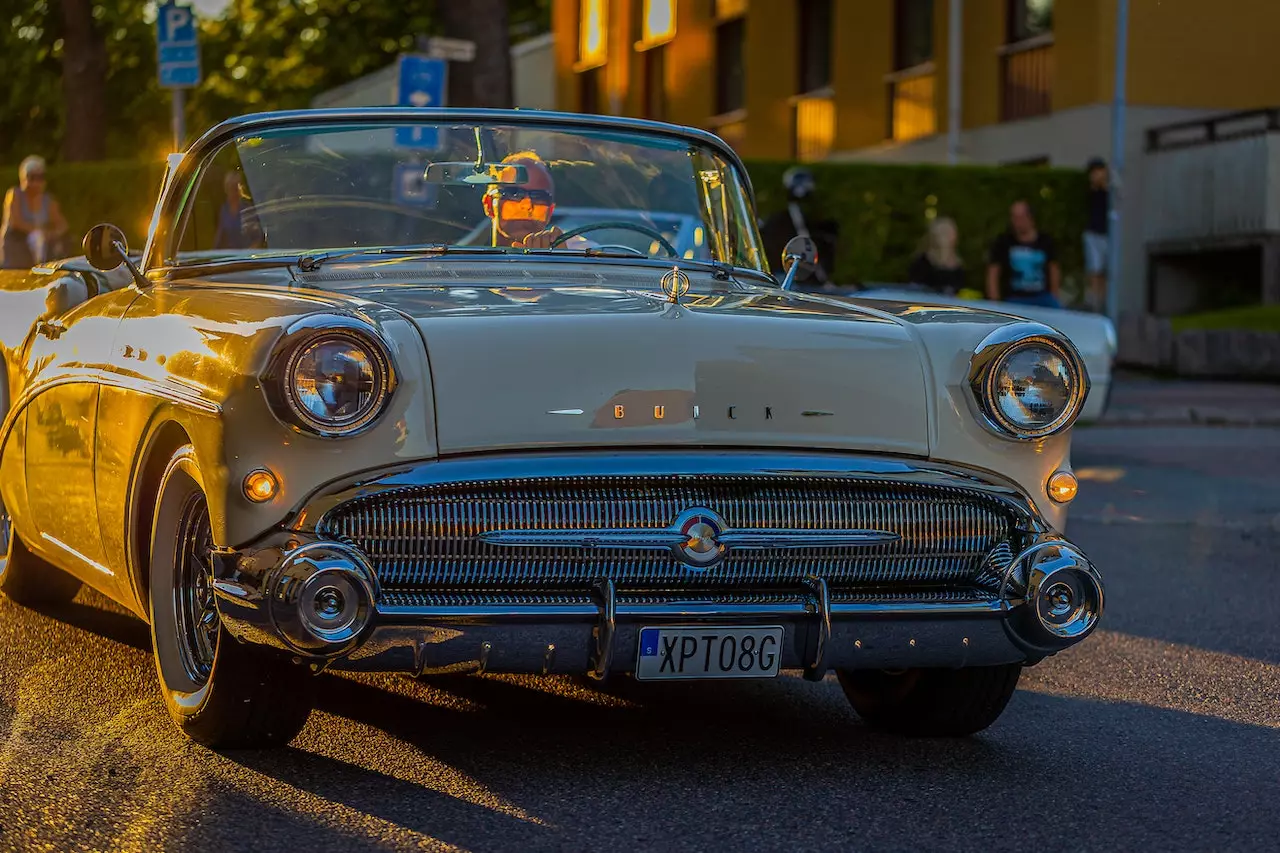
(66, 353)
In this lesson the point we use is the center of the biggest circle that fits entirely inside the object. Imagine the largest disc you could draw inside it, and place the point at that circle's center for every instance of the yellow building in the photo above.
(811, 78)
(872, 79)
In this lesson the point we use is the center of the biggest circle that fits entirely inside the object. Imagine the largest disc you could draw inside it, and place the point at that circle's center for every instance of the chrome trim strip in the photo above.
(93, 564)
(657, 540)
(590, 613)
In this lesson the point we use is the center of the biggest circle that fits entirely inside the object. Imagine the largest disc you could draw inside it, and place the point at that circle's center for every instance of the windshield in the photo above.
(497, 187)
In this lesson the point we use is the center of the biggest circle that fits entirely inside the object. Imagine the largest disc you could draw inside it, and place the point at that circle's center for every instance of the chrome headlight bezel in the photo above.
(995, 350)
(299, 339)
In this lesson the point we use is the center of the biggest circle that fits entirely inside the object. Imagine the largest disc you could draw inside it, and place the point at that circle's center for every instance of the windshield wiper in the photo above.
(311, 263)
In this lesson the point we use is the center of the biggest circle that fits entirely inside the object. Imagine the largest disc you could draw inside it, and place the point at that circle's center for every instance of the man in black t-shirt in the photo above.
(1023, 264)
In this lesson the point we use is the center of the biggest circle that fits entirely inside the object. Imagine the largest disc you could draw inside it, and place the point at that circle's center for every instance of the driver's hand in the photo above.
(540, 239)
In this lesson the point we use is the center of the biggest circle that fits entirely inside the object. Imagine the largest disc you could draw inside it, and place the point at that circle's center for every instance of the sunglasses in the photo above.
(541, 198)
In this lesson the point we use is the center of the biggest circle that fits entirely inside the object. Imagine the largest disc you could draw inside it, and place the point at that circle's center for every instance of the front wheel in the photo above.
(27, 579)
(221, 693)
(931, 702)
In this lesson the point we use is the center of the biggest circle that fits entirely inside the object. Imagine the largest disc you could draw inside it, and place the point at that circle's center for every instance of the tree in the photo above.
(84, 82)
(486, 80)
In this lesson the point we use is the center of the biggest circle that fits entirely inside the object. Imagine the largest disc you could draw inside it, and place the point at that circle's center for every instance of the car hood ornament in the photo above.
(675, 284)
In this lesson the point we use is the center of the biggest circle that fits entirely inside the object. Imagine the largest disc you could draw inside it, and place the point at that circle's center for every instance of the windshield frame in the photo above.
(175, 201)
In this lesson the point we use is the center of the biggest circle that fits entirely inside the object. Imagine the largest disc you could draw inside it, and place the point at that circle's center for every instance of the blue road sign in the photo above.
(177, 46)
(422, 81)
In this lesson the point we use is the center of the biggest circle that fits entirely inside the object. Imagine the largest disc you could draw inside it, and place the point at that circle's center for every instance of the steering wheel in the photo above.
(630, 226)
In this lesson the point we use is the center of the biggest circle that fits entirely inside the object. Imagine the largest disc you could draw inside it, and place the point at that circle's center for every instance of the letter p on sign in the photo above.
(177, 24)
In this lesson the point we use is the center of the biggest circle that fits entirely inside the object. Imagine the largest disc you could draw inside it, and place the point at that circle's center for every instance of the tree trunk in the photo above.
(486, 80)
(84, 82)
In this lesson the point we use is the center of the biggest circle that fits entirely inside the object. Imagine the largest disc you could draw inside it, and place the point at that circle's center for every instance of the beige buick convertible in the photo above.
(314, 427)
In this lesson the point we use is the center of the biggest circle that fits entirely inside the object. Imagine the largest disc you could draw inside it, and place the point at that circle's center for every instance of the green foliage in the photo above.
(259, 55)
(1257, 318)
(883, 211)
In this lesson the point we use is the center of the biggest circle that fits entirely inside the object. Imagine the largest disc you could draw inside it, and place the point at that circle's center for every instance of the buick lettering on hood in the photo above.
(319, 423)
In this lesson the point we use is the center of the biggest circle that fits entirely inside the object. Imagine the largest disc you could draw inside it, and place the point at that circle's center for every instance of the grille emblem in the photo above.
(702, 529)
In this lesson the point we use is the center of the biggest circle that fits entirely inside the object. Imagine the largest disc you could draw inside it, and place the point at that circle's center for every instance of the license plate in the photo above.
(713, 652)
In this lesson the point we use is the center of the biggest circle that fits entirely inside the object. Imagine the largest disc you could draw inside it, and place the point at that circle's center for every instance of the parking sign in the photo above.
(422, 81)
(178, 47)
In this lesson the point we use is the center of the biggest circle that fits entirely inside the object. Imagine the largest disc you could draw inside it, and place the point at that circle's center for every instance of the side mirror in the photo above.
(105, 247)
(798, 259)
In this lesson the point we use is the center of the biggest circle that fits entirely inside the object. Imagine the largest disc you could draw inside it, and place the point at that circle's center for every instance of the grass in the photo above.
(1255, 318)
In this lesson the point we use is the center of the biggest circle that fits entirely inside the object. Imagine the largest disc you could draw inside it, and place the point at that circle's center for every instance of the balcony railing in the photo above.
(815, 125)
(912, 107)
(1026, 75)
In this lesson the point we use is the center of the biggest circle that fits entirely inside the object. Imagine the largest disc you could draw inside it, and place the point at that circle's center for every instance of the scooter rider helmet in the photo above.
(799, 182)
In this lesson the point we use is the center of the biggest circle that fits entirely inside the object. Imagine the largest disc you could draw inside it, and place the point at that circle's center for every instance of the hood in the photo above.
(556, 366)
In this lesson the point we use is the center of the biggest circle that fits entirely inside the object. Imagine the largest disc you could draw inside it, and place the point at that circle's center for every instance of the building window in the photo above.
(730, 74)
(815, 45)
(1026, 63)
(913, 83)
(657, 23)
(912, 33)
(593, 33)
(1029, 19)
(815, 119)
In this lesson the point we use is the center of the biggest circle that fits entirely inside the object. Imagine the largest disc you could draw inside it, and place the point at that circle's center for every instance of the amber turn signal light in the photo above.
(260, 485)
(1062, 487)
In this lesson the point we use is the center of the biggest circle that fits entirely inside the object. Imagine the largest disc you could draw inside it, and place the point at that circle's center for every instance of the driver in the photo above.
(521, 214)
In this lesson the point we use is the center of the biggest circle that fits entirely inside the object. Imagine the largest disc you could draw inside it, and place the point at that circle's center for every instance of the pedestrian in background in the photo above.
(33, 225)
(938, 265)
(1095, 234)
(1023, 263)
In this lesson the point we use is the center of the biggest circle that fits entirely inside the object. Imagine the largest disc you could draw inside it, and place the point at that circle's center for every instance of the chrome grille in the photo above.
(424, 537)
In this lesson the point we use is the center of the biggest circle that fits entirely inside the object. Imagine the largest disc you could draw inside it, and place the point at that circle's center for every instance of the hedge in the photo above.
(882, 210)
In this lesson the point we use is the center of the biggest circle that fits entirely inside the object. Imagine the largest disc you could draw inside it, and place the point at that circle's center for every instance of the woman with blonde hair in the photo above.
(938, 266)
(33, 224)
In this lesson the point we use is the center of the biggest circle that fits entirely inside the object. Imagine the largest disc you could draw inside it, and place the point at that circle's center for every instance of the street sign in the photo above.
(457, 50)
(422, 81)
(177, 47)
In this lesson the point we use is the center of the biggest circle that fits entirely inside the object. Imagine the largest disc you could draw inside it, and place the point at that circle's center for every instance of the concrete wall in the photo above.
(533, 73)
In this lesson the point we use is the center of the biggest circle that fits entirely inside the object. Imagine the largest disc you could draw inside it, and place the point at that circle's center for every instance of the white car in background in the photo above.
(1094, 335)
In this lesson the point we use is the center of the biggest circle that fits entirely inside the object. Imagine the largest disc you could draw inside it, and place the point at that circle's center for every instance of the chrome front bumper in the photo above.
(280, 592)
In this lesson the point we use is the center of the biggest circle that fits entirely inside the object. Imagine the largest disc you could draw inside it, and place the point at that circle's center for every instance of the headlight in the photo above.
(1028, 381)
(331, 381)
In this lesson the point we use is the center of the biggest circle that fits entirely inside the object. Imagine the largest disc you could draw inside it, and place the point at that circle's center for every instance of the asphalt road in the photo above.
(1163, 732)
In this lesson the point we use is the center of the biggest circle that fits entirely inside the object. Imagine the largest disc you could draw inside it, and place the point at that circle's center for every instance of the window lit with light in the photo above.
(659, 22)
(815, 127)
(593, 33)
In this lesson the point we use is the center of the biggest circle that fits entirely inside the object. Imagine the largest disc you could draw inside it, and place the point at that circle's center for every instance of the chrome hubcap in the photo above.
(194, 605)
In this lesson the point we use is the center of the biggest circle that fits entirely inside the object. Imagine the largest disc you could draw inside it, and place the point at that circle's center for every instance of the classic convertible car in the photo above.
(306, 430)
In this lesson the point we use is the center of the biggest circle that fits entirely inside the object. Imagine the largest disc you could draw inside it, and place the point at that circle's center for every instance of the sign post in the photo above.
(178, 54)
